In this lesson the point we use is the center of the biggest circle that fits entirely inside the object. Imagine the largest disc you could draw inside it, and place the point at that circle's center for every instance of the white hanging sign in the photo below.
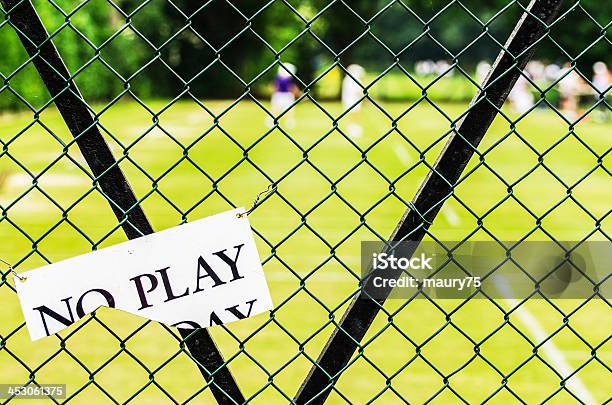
(199, 274)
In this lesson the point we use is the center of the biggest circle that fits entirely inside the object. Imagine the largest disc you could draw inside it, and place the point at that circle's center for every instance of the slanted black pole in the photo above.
(51, 68)
(436, 188)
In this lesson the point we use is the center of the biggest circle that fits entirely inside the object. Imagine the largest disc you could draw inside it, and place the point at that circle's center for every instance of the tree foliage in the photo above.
(218, 48)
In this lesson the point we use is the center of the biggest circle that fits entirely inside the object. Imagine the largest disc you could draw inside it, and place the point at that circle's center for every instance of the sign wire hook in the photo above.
(269, 190)
(17, 276)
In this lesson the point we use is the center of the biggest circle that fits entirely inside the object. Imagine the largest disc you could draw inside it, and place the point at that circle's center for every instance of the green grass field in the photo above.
(317, 171)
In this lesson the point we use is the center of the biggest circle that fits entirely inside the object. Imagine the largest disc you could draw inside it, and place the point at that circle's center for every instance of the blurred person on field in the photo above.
(536, 71)
(551, 72)
(601, 84)
(570, 88)
(352, 98)
(442, 68)
(284, 94)
(482, 70)
(425, 67)
(520, 96)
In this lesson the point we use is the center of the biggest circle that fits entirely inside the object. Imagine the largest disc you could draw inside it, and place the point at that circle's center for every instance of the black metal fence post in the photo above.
(436, 188)
(33, 35)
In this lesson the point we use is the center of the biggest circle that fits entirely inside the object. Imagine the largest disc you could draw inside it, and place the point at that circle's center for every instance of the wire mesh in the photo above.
(175, 95)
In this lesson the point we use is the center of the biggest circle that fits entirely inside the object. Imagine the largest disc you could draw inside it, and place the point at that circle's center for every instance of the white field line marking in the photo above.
(448, 212)
(551, 351)
(450, 215)
(402, 154)
(46, 180)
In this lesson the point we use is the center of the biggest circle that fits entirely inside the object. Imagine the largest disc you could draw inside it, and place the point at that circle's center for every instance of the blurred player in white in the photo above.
(601, 84)
(482, 70)
(352, 94)
(284, 94)
(520, 96)
(570, 88)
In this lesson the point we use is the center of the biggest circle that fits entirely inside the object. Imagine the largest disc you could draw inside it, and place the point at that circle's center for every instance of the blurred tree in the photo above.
(210, 48)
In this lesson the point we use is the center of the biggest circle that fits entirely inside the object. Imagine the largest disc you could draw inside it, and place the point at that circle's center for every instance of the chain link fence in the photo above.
(121, 117)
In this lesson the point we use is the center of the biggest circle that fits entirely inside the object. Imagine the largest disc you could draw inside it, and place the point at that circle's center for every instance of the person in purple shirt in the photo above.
(283, 95)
